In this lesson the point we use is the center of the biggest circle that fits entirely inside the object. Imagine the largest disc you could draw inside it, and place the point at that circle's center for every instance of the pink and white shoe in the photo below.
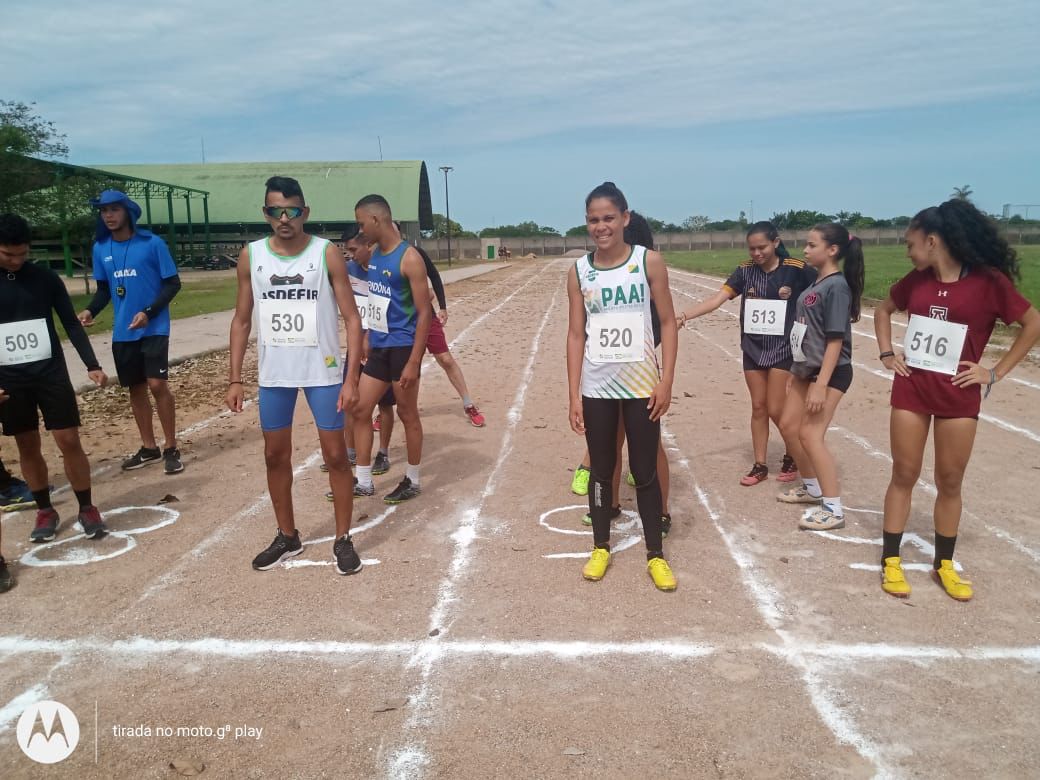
(788, 470)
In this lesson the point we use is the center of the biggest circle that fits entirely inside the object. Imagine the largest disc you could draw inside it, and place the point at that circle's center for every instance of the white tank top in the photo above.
(620, 361)
(297, 317)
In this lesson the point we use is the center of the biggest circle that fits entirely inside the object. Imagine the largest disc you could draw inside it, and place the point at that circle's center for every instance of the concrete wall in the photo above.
(558, 245)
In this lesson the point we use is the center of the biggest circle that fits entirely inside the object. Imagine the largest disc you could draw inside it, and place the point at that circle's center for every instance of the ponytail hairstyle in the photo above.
(609, 191)
(770, 231)
(850, 252)
(638, 232)
(971, 237)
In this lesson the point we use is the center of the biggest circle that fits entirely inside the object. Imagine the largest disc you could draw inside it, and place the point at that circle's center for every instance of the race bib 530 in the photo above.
(289, 323)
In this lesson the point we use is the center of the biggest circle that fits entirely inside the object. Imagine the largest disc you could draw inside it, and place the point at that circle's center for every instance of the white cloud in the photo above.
(125, 84)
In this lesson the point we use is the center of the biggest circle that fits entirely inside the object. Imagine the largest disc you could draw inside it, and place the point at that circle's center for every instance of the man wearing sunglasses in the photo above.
(134, 270)
(297, 282)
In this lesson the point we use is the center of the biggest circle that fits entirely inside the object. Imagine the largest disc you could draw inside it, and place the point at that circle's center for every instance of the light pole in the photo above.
(447, 208)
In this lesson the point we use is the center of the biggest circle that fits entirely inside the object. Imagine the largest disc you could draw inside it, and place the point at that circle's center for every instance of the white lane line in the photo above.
(11, 711)
(767, 600)
(930, 488)
(876, 453)
(131, 650)
(409, 761)
(219, 534)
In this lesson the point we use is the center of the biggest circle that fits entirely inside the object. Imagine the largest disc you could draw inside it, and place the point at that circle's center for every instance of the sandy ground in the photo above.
(470, 645)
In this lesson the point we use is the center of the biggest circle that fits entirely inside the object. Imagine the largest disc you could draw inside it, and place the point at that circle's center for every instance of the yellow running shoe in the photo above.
(955, 587)
(580, 483)
(630, 479)
(599, 560)
(892, 580)
(661, 574)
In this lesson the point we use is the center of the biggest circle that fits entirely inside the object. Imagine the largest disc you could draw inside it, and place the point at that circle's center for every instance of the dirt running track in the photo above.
(470, 646)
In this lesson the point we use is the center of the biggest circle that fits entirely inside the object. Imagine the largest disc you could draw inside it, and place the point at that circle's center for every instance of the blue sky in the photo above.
(692, 108)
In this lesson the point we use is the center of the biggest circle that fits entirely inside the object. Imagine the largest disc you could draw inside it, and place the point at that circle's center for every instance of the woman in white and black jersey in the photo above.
(613, 372)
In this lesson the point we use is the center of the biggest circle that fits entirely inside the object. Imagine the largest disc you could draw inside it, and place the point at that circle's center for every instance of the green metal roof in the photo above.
(236, 190)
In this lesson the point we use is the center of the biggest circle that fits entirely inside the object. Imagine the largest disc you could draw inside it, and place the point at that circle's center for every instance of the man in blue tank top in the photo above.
(399, 314)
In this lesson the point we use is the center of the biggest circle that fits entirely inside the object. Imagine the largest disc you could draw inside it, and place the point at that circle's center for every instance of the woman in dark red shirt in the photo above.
(961, 284)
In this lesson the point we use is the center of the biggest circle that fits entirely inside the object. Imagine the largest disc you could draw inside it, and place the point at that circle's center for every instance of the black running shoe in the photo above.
(381, 464)
(666, 524)
(6, 580)
(142, 457)
(172, 461)
(16, 496)
(46, 526)
(347, 561)
(90, 521)
(404, 490)
(281, 548)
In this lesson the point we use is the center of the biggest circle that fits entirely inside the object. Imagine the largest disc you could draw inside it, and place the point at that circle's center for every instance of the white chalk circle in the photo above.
(83, 554)
(630, 523)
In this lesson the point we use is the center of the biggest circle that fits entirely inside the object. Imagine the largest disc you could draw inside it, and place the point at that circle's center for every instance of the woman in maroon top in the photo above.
(961, 284)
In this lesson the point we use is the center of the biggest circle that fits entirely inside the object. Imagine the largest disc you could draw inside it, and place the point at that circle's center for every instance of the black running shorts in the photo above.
(387, 363)
(51, 395)
(141, 360)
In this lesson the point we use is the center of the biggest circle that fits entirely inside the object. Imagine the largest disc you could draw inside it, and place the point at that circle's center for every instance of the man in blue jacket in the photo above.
(133, 269)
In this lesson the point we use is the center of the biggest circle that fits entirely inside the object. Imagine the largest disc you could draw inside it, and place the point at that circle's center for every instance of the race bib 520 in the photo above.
(616, 337)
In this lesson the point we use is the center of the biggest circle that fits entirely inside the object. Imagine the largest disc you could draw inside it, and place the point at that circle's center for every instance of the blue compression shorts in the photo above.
(277, 405)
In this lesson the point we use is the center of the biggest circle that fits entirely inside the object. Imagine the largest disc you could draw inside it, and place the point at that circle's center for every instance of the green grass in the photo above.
(203, 297)
(885, 266)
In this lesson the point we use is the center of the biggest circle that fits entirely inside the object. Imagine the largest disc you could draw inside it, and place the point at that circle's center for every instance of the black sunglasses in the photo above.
(276, 212)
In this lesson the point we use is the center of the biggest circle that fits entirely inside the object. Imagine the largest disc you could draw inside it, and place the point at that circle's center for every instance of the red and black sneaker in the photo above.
(788, 470)
(759, 473)
(46, 526)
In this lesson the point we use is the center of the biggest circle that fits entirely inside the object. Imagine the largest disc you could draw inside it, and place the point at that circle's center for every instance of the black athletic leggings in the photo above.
(643, 435)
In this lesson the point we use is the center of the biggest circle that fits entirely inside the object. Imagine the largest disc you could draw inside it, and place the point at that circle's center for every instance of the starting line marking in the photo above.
(217, 647)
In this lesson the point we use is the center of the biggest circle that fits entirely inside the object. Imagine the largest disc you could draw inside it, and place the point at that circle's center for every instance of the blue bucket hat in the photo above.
(109, 197)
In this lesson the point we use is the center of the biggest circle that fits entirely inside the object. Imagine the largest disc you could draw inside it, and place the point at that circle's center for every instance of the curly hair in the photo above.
(971, 237)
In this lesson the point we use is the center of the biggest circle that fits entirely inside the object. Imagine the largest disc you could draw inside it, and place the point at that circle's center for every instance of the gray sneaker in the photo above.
(364, 490)
(798, 495)
(381, 464)
(141, 458)
(172, 461)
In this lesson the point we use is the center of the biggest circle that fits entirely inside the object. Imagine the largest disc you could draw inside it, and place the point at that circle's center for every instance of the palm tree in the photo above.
(962, 193)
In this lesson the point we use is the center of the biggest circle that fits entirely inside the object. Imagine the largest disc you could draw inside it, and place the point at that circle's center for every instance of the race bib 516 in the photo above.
(934, 345)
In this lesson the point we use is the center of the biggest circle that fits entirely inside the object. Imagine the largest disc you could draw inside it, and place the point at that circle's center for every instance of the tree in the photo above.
(577, 230)
(440, 229)
(24, 135)
(799, 220)
(523, 230)
(696, 223)
(962, 193)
